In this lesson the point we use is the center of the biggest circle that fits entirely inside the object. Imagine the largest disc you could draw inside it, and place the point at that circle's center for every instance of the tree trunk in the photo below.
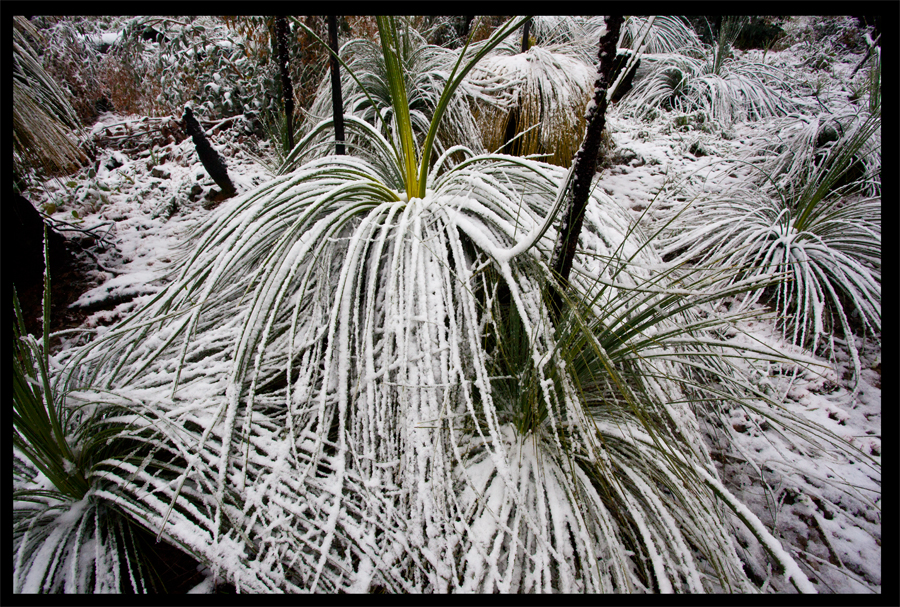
(287, 89)
(467, 24)
(211, 160)
(337, 102)
(585, 167)
(525, 36)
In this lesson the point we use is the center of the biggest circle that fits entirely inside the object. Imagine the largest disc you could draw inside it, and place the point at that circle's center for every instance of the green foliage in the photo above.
(808, 214)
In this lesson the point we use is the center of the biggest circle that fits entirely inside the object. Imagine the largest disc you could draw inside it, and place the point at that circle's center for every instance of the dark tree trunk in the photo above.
(585, 167)
(512, 126)
(467, 24)
(627, 82)
(211, 160)
(25, 228)
(287, 89)
(337, 102)
(525, 35)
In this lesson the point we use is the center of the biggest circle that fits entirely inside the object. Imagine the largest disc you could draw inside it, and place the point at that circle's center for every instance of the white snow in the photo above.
(841, 495)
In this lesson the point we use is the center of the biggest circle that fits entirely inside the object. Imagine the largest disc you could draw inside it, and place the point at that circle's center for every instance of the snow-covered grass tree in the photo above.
(711, 79)
(815, 212)
(358, 365)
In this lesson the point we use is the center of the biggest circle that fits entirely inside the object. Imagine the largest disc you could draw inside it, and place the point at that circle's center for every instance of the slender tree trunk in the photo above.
(512, 127)
(585, 167)
(866, 58)
(211, 160)
(281, 35)
(467, 24)
(525, 36)
(337, 102)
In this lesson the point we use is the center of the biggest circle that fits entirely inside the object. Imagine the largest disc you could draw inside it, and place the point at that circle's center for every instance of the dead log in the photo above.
(211, 160)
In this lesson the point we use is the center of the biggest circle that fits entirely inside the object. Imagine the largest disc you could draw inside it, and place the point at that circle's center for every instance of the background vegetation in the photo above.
(351, 378)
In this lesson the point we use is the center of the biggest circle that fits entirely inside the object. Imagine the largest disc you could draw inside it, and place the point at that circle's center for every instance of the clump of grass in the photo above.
(807, 215)
(714, 81)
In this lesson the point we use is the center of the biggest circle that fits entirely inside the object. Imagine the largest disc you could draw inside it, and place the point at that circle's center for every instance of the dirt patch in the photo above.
(67, 283)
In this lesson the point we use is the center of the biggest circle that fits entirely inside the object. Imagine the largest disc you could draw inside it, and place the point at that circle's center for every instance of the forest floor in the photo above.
(136, 206)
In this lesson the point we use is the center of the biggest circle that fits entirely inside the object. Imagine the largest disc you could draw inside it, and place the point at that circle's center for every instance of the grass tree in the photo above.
(72, 530)
(45, 126)
(811, 213)
(547, 96)
(546, 88)
(712, 80)
(357, 367)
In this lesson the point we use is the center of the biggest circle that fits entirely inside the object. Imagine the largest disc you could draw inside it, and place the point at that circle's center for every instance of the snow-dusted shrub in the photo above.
(155, 65)
(713, 80)
(808, 215)
(358, 365)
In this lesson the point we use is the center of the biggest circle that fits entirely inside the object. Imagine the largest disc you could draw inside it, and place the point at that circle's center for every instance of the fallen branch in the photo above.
(211, 160)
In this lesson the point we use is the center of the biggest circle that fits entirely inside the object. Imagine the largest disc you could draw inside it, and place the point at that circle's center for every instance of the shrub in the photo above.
(357, 367)
(808, 215)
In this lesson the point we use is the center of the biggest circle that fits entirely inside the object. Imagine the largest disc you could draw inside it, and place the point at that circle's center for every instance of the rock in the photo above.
(627, 156)
(114, 162)
(214, 198)
(160, 172)
(167, 209)
(196, 191)
(697, 149)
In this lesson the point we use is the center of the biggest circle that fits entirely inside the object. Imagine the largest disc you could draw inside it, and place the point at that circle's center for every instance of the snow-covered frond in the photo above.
(667, 35)
(548, 91)
(726, 89)
(426, 69)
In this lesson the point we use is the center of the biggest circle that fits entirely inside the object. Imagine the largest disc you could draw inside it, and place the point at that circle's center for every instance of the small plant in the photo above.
(808, 217)
(69, 531)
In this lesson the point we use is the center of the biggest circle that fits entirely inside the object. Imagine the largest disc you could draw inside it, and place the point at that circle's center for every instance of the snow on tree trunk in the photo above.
(585, 165)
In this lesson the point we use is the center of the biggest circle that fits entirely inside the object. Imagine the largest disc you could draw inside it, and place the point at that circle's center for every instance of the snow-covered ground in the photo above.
(824, 507)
